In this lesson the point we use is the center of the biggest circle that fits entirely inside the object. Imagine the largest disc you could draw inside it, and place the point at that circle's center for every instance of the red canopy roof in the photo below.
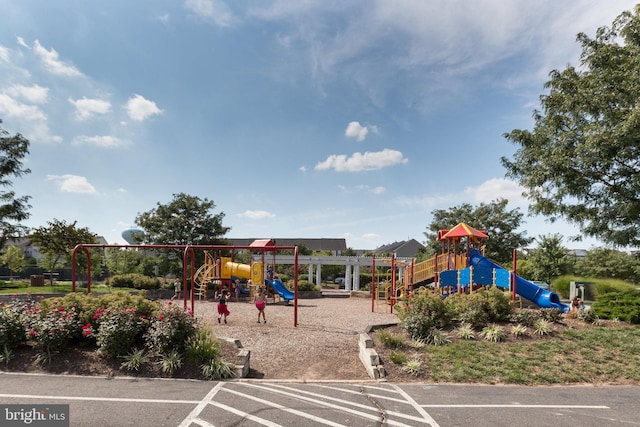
(262, 243)
(463, 230)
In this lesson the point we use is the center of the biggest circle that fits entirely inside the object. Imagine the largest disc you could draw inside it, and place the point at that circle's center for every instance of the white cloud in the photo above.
(35, 94)
(357, 131)
(22, 43)
(256, 215)
(359, 162)
(140, 109)
(4, 53)
(374, 190)
(11, 107)
(100, 141)
(35, 120)
(495, 188)
(51, 61)
(212, 10)
(86, 107)
(72, 184)
(302, 169)
(485, 192)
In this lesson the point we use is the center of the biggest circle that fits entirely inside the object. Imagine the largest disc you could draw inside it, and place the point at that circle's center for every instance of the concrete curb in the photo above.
(243, 359)
(369, 358)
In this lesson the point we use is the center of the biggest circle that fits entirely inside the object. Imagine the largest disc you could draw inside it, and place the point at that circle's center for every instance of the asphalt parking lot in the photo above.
(95, 401)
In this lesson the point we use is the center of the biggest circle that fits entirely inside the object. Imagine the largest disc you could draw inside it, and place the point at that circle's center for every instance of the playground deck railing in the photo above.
(426, 270)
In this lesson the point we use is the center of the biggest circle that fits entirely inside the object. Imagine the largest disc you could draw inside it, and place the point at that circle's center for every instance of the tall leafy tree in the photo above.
(581, 161)
(185, 220)
(13, 259)
(609, 263)
(57, 240)
(13, 209)
(494, 218)
(550, 259)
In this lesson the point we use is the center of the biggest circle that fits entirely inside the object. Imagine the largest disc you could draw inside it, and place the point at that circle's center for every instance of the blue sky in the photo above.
(297, 118)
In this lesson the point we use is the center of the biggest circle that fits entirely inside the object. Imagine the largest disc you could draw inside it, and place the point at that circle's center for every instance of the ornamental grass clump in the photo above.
(542, 327)
(494, 333)
(413, 366)
(390, 340)
(465, 332)
(519, 330)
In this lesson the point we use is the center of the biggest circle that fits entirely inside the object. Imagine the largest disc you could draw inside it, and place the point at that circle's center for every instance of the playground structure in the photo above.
(221, 272)
(189, 273)
(388, 284)
(451, 272)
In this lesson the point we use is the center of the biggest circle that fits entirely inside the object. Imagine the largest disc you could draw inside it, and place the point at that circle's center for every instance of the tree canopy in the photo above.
(57, 241)
(494, 218)
(581, 161)
(550, 260)
(186, 220)
(13, 209)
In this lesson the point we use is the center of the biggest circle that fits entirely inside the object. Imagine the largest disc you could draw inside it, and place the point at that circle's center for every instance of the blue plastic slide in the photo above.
(280, 289)
(524, 288)
(243, 290)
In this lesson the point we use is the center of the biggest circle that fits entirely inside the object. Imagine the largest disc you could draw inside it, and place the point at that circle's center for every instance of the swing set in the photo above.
(191, 275)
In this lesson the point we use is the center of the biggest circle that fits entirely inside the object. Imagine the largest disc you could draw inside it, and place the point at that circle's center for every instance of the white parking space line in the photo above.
(201, 405)
(283, 408)
(359, 405)
(377, 396)
(516, 405)
(245, 415)
(97, 399)
(417, 407)
(297, 396)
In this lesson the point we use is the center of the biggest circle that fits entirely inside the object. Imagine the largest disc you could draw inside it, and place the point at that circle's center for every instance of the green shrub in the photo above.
(119, 330)
(553, 315)
(12, 321)
(587, 316)
(562, 286)
(51, 331)
(525, 317)
(123, 299)
(84, 305)
(398, 357)
(621, 305)
(421, 313)
(481, 307)
(202, 347)
(303, 286)
(13, 285)
(135, 281)
(170, 330)
(389, 340)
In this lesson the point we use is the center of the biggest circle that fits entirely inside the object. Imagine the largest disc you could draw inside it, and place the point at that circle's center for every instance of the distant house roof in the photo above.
(406, 248)
(312, 244)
